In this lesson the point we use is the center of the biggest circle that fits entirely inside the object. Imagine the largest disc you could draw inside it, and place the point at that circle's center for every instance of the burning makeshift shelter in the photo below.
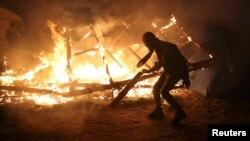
(98, 60)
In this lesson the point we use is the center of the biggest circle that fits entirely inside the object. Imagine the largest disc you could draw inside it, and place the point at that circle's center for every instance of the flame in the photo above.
(125, 25)
(31, 74)
(83, 71)
(48, 100)
(171, 23)
(57, 59)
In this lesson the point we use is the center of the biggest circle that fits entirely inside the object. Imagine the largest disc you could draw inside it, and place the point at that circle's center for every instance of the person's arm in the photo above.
(156, 67)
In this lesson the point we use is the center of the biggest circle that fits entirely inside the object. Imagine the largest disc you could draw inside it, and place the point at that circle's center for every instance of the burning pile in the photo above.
(94, 63)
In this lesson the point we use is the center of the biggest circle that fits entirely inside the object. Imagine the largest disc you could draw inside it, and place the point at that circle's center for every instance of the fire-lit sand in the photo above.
(91, 118)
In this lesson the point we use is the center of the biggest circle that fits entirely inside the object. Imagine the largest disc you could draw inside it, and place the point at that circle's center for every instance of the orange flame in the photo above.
(84, 71)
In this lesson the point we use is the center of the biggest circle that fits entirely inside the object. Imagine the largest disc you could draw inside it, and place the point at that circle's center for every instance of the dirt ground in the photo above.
(94, 120)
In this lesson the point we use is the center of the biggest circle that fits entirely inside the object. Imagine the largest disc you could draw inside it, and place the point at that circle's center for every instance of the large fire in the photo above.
(62, 67)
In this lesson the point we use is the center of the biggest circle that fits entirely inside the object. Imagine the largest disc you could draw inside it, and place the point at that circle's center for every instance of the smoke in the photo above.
(190, 12)
(193, 15)
(107, 16)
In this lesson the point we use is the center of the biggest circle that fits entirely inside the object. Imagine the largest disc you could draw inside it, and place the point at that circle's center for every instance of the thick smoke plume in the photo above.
(200, 19)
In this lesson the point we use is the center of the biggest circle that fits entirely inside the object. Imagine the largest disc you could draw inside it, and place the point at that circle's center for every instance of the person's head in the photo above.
(149, 39)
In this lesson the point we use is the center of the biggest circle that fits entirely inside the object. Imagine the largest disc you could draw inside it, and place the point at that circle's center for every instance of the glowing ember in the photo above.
(189, 38)
(125, 25)
(87, 35)
(154, 25)
(210, 56)
(48, 99)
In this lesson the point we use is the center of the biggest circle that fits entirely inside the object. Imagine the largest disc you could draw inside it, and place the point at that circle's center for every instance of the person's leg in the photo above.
(157, 89)
(167, 86)
(157, 112)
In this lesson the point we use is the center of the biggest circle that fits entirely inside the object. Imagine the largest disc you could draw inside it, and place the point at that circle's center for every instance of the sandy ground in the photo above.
(94, 120)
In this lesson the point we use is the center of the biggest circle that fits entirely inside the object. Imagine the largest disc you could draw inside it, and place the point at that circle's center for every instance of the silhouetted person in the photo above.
(14, 33)
(175, 68)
